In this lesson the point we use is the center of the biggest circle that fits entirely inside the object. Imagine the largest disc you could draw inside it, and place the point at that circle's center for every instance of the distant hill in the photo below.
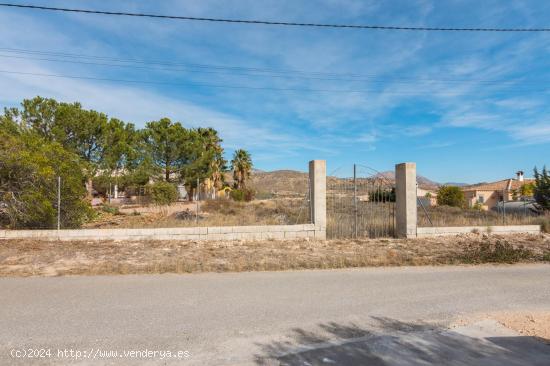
(423, 182)
(280, 182)
(455, 184)
(293, 183)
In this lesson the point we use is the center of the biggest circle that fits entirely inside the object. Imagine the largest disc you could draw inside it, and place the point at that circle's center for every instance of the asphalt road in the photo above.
(303, 317)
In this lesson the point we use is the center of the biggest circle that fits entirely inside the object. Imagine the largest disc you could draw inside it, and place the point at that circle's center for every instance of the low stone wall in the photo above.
(423, 232)
(191, 233)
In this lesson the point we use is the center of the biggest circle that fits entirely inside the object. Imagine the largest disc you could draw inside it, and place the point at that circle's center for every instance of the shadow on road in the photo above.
(393, 342)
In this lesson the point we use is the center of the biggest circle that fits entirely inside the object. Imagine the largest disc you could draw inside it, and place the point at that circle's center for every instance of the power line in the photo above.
(370, 79)
(415, 92)
(194, 65)
(237, 70)
(278, 23)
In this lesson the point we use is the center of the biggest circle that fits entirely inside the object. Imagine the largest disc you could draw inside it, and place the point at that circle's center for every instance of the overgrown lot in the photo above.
(455, 216)
(211, 213)
(28, 258)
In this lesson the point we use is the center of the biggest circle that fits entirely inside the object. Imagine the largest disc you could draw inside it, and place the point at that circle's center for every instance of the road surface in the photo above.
(303, 317)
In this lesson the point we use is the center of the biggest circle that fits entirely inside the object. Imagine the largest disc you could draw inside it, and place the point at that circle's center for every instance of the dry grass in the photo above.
(211, 213)
(454, 216)
(42, 258)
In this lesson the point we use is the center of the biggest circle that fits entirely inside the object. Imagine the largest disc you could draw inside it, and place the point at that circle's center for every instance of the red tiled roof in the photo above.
(501, 185)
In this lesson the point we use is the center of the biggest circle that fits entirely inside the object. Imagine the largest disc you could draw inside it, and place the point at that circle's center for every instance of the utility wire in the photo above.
(166, 63)
(370, 79)
(278, 23)
(413, 92)
(236, 70)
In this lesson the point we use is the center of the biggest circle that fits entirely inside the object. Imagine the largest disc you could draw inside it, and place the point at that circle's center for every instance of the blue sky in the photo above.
(466, 107)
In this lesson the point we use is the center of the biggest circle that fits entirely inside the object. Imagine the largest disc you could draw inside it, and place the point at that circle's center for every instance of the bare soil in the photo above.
(534, 323)
(53, 258)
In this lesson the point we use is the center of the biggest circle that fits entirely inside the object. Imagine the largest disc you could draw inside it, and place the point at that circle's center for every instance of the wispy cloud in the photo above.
(419, 86)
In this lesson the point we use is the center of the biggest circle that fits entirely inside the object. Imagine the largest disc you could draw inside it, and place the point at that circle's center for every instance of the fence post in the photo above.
(197, 198)
(318, 198)
(405, 200)
(58, 203)
(354, 201)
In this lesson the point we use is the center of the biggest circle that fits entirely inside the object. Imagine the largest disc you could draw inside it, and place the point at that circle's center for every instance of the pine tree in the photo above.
(542, 188)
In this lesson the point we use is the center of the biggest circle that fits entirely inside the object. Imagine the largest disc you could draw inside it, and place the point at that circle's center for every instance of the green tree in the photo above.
(29, 167)
(527, 190)
(9, 121)
(39, 114)
(450, 196)
(79, 130)
(214, 152)
(119, 144)
(166, 143)
(242, 167)
(204, 159)
(542, 188)
(382, 195)
(163, 193)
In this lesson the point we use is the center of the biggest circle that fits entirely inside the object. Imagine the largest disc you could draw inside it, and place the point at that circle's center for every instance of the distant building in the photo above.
(488, 195)
(427, 196)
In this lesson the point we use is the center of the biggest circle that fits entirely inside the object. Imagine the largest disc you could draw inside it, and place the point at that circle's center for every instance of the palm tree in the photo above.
(212, 147)
(241, 166)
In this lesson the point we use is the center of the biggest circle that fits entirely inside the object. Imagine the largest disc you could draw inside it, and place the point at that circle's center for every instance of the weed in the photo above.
(113, 210)
(499, 252)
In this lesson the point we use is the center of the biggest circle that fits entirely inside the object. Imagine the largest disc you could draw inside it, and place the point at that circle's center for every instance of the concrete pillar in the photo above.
(405, 203)
(318, 197)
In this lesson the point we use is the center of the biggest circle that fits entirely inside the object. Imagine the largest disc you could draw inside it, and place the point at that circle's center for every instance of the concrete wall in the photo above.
(405, 200)
(315, 230)
(423, 232)
(192, 233)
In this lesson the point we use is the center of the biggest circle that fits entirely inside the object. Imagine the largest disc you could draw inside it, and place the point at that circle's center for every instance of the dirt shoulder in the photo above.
(53, 258)
(534, 323)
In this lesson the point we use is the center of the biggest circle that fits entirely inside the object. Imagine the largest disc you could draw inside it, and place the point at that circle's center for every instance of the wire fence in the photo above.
(133, 207)
(508, 213)
(362, 205)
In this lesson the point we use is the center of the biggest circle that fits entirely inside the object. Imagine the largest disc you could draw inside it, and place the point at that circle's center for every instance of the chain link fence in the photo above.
(133, 207)
(521, 211)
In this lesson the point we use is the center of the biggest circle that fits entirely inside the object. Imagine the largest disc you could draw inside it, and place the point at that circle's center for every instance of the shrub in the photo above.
(113, 210)
(382, 195)
(242, 195)
(500, 252)
(163, 193)
(450, 196)
(29, 167)
(477, 206)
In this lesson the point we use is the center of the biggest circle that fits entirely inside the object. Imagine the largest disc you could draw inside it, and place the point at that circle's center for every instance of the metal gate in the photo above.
(360, 206)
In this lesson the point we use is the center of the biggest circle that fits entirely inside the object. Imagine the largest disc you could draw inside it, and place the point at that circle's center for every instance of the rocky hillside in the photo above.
(294, 183)
(423, 182)
(280, 182)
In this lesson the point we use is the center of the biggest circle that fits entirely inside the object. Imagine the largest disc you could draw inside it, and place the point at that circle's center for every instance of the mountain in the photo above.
(279, 182)
(294, 183)
(423, 182)
(456, 184)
